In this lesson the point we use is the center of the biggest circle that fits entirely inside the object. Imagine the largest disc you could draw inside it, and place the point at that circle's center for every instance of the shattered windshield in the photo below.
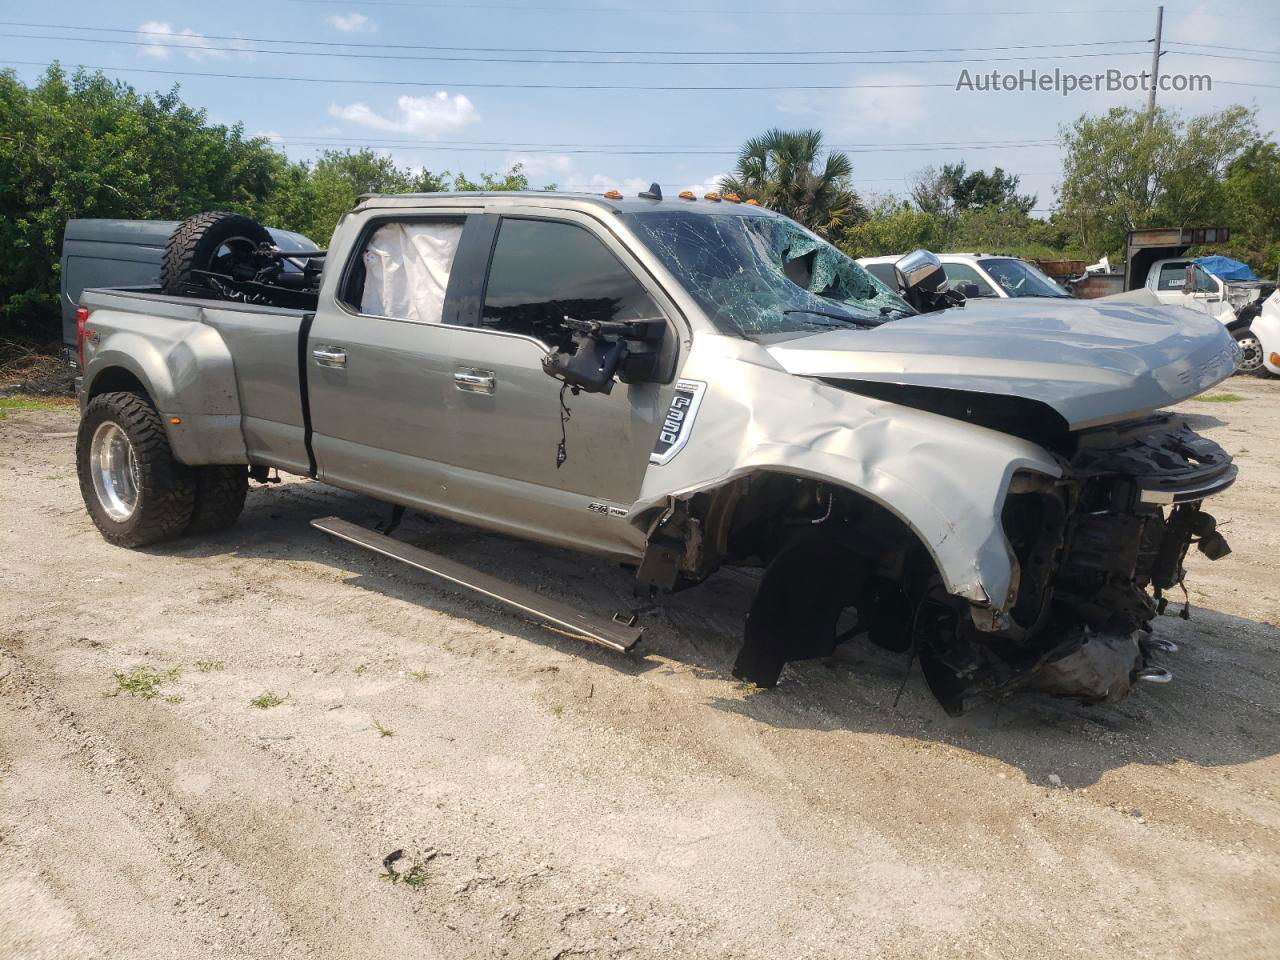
(758, 276)
(1021, 279)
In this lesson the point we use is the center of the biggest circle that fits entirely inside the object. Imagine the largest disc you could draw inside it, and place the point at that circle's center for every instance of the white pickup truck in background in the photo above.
(1236, 304)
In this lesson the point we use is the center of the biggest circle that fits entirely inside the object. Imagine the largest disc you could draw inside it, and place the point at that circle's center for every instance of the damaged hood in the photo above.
(1091, 362)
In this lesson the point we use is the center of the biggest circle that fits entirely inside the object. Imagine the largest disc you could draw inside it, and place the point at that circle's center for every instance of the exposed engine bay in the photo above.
(1095, 553)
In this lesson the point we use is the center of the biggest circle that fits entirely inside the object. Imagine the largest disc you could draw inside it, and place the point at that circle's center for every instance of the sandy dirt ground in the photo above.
(552, 800)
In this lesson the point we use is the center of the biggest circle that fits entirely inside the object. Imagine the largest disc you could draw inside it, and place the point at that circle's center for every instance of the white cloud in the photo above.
(196, 46)
(707, 185)
(353, 23)
(273, 135)
(429, 116)
(562, 170)
(883, 102)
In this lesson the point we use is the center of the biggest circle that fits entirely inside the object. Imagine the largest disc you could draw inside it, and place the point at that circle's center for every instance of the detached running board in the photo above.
(608, 633)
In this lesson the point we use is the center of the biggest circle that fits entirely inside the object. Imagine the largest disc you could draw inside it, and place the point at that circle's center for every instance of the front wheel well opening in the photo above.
(837, 565)
(770, 512)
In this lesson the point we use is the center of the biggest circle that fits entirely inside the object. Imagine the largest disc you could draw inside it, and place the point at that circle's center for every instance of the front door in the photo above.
(564, 467)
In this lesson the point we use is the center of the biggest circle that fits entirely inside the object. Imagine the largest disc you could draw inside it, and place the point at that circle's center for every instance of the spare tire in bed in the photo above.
(216, 242)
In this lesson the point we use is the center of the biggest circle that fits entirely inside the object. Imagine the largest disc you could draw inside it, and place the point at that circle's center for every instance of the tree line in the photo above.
(81, 145)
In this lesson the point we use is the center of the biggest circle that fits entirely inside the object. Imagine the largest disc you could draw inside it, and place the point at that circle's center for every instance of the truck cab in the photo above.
(1185, 283)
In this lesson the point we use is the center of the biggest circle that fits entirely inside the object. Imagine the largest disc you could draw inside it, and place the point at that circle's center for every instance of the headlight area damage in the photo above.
(1092, 554)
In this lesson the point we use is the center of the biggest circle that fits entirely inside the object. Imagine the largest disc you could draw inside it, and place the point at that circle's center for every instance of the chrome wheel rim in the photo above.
(115, 471)
(1250, 354)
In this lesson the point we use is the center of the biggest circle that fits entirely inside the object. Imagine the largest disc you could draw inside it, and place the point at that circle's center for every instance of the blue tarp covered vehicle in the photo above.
(1226, 268)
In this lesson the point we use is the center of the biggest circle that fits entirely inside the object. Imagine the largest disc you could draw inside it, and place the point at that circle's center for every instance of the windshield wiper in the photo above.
(901, 311)
(847, 318)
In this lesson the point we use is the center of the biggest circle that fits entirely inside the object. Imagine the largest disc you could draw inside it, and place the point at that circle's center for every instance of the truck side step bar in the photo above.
(614, 634)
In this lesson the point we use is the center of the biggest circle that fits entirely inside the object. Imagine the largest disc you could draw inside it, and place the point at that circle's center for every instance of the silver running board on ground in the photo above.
(608, 633)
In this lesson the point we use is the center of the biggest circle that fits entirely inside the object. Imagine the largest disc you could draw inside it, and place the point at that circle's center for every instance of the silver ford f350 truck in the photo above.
(682, 384)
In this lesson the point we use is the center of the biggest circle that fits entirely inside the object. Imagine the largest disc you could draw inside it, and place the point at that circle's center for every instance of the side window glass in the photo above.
(884, 273)
(961, 275)
(1173, 276)
(544, 270)
(404, 270)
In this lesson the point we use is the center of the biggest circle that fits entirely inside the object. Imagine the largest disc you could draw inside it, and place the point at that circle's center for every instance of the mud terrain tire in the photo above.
(195, 244)
(220, 493)
(155, 494)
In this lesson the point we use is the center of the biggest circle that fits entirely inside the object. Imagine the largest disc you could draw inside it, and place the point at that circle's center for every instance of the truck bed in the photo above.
(231, 373)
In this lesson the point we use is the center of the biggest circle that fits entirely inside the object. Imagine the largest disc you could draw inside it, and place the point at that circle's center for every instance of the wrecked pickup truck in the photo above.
(682, 385)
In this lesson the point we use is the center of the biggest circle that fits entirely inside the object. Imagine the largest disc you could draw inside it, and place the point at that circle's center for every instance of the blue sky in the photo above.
(438, 114)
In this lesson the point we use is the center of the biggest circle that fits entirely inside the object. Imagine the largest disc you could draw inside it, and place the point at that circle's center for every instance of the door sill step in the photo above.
(561, 617)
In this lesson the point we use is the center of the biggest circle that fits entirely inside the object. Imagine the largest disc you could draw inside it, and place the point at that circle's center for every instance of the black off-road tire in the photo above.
(193, 244)
(166, 487)
(220, 493)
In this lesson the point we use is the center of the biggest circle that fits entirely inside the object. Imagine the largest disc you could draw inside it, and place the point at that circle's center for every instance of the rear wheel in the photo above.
(220, 493)
(134, 489)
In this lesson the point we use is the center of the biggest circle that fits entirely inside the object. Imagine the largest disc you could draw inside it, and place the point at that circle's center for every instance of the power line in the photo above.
(192, 46)
(1241, 83)
(422, 46)
(1221, 56)
(674, 147)
(532, 86)
(1218, 46)
(487, 86)
(725, 11)
(451, 148)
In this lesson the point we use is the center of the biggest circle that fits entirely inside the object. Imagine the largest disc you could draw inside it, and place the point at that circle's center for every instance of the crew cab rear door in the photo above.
(378, 357)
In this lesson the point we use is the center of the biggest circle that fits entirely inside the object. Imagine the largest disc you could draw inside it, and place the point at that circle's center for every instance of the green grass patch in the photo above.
(20, 402)
(268, 699)
(360, 669)
(208, 666)
(1219, 398)
(415, 876)
(421, 675)
(145, 682)
(383, 731)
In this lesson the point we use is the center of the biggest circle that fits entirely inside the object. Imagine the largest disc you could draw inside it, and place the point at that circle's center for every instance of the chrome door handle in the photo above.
(330, 357)
(472, 380)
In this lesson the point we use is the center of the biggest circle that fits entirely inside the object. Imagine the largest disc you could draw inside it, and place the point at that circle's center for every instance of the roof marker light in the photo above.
(612, 195)
(752, 202)
(733, 198)
(712, 196)
(687, 195)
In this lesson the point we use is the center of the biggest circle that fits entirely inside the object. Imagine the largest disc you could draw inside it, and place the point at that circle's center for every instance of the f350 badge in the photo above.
(677, 424)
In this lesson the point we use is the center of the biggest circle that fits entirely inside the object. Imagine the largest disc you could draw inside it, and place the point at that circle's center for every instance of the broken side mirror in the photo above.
(923, 282)
(603, 349)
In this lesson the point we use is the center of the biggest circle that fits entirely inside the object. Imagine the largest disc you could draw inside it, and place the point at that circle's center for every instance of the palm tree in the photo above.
(780, 170)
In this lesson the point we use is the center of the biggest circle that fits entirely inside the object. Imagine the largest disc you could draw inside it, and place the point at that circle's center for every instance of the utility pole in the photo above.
(1155, 63)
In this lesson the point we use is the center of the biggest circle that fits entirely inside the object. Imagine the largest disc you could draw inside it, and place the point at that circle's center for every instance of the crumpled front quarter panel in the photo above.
(944, 478)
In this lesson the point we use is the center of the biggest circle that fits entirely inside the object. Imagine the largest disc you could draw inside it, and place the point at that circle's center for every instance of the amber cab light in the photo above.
(82, 317)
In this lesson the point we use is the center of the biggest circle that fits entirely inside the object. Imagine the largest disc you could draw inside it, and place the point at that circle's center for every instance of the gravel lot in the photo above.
(553, 800)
